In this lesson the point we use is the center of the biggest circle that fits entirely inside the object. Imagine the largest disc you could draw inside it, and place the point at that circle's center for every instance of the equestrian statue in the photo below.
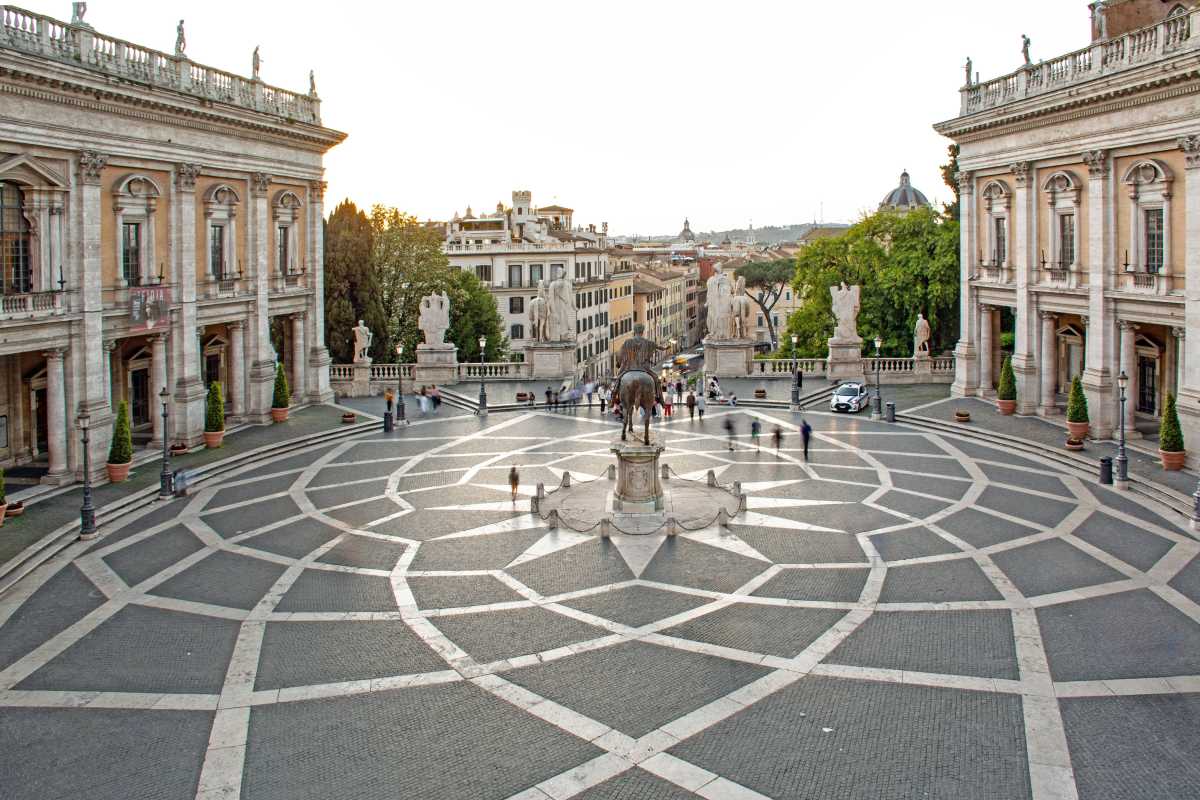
(637, 385)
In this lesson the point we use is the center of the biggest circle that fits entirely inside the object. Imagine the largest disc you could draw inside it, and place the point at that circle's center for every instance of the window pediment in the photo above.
(32, 172)
(286, 199)
(136, 186)
(996, 193)
(1061, 181)
(222, 194)
(1147, 172)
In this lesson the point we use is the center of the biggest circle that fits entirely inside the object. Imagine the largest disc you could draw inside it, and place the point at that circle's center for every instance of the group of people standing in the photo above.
(429, 400)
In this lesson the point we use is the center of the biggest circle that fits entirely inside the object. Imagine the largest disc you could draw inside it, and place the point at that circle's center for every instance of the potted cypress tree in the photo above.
(1006, 392)
(283, 396)
(1077, 411)
(214, 417)
(1170, 438)
(120, 452)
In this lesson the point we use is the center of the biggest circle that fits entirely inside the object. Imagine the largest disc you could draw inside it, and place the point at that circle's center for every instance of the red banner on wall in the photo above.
(149, 308)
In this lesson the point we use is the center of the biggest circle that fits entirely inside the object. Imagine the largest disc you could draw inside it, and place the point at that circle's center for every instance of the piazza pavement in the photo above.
(908, 614)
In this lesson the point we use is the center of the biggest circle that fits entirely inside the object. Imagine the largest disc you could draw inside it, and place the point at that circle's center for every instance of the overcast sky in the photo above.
(634, 113)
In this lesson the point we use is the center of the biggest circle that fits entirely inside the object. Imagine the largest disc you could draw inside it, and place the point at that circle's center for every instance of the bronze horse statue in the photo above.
(636, 388)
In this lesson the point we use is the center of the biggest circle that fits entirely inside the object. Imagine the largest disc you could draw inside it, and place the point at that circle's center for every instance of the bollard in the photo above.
(612, 472)
(1106, 476)
(566, 481)
(552, 520)
(605, 528)
(890, 414)
(179, 481)
(722, 517)
(665, 472)
(535, 505)
(741, 502)
(541, 490)
(737, 488)
(672, 527)
(712, 478)
(388, 425)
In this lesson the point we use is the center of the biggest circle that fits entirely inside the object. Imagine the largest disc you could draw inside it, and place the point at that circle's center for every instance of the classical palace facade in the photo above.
(161, 227)
(1080, 210)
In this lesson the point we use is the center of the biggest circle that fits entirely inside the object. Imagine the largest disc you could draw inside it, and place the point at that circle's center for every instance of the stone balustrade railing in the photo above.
(31, 304)
(519, 247)
(495, 369)
(47, 37)
(787, 366)
(1137, 47)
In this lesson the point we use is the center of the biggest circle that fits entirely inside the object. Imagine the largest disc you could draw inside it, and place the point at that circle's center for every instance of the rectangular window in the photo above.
(1001, 241)
(131, 252)
(281, 246)
(516, 305)
(1154, 240)
(216, 256)
(514, 275)
(484, 273)
(535, 274)
(1066, 240)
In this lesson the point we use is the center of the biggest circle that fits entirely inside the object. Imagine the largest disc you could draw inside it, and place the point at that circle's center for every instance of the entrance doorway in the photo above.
(139, 397)
(1147, 385)
(41, 437)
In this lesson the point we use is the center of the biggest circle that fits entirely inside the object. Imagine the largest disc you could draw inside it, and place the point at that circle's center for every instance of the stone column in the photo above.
(109, 346)
(88, 359)
(1049, 364)
(1180, 336)
(262, 356)
(297, 357)
(1024, 362)
(966, 362)
(237, 368)
(189, 387)
(56, 416)
(1098, 375)
(1129, 365)
(1189, 358)
(985, 350)
(317, 379)
(158, 382)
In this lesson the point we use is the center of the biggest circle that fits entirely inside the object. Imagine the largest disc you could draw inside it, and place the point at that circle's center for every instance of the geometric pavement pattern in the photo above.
(905, 614)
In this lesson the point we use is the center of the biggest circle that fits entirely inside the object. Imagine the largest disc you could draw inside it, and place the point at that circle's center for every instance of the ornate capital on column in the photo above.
(158, 337)
(260, 182)
(966, 181)
(1048, 315)
(1179, 333)
(985, 309)
(299, 316)
(1097, 163)
(317, 188)
(1085, 319)
(1126, 325)
(90, 165)
(185, 176)
(237, 324)
(1020, 171)
(1190, 145)
(110, 345)
(54, 354)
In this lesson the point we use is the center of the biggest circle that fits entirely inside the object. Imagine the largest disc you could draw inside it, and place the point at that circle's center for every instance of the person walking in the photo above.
(667, 404)
(435, 397)
(755, 429)
(732, 399)
(691, 404)
(549, 392)
(423, 401)
(805, 434)
(777, 435)
(700, 404)
(729, 431)
(603, 398)
(591, 387)
(556, 398)
(514, 481)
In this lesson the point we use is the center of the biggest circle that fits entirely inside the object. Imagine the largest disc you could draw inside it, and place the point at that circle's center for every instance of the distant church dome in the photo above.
(686, 234)
(904, 197)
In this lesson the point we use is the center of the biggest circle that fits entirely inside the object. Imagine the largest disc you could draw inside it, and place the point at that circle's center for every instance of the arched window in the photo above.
(14, 240)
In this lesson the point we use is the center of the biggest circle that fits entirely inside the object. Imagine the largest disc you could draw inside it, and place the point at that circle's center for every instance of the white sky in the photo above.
(635, 113)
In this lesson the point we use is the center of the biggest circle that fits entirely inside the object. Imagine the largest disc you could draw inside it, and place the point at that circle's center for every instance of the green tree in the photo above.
(351, 288)
(1006, 389)
(282, 397)
(214, 411)
(408, 263)
(950, 177)
(473, 314)
(905, 263)
(765, 282)
(121, 449)
(1170, 436)
(1077, 408)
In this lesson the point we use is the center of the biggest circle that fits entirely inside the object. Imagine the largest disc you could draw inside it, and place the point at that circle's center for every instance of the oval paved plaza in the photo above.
(904, 615)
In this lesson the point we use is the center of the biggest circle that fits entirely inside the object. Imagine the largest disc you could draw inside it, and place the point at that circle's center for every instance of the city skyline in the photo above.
(638, 118)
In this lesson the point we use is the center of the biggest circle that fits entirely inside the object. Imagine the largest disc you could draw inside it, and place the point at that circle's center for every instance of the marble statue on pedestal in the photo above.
(561, 311)
(180, 41)
(435, 318)
(539, 315)
(741, 311)
(921, 338)
(362, 343)
(845, 309)
(719, 297)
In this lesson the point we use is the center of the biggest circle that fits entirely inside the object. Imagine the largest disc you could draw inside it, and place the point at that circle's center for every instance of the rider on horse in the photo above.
(639, 354)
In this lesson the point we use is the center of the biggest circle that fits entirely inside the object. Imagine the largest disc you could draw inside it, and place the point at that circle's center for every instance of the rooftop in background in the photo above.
(77, 44)
(904, 197)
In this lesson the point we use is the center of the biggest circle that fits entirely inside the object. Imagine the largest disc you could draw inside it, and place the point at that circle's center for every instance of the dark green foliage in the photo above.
(765, 282)
(283, 395)
(1170, 436)
(473, 313)
(1077, 409)
(121, 449)
(351, 286)
(214, 409)
(3, 496)
(1007, 390)
(950, 177)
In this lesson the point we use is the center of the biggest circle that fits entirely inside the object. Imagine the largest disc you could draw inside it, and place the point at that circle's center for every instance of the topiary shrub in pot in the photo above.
(1170, 437)
(1006, 392)
(282, 398)
(214, 416)
(120, 452)
(1077, 411)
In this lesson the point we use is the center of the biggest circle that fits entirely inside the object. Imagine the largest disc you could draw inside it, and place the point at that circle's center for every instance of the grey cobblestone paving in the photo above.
(776, 630)
(853, 474)
(425, 525)
(983, 453)
(686, 563)
(1052, 566)
(454, 591)
(636, 687)
(850, 517)
(636, 605)
(832, 585)
(504, 634)
(319, 590)
(101, 754)
(1115, 500)
(1132, 544)
(365, 552)
(287, 464)
(304, 653)
(919, 507)
(983, 530)
(933, 466)
(915, 542)
(143, 650)
(594, 563)
(976, 643)
(338, 495)
(154, 554)
(1026, 479)
(1128, 635)
(1042, 511)
(1187, 582)
(853, 740)
(938, 487)
(366, 512)
(1137, 748)
(821, 490)
(252, 491)
(62, 601)
(294, 540)
(223, 579)
(433, 742)
(243, 520)
(637, 785)
(938, 582)
(361, 470)
(488, 552)
(160, 513)
(795, 547)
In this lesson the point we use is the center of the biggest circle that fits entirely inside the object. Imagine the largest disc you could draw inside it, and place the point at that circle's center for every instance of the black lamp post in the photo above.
(87, 514)
(482, 390)
(1122, 480)
(164, 477)
(795, 376)
(400, 385)
(877, 408)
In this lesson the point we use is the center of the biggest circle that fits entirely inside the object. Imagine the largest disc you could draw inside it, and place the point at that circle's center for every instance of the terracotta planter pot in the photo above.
(962, 416)
(118, 472)
(213, 439)
(1074, 444)
(14, 509)
(4, 513)
(1006, 407)
(760, 394)
(279, 414)
(178, 449)
(348, 418)
(1077, 430)
(1172, 461)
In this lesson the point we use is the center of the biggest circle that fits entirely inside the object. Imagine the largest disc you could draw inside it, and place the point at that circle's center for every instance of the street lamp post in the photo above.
(483, 410)
(87, 513)
(795, 376)
(400, 415)
(164, 477)
(877, 407)
(1122, 479)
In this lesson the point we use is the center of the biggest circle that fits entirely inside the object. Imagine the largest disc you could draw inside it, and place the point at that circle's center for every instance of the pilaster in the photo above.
(88, 358)
(1099, 375)
(56, 416)
(189, 388)
(1024, 363)
(158, 382)
(237, 369)
(986, 368)
(262, 354)
(966, 361)
(299, 365)
(317, 379)
(1049, 363)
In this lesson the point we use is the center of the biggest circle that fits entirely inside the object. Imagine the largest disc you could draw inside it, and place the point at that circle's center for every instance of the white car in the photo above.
(851, 397)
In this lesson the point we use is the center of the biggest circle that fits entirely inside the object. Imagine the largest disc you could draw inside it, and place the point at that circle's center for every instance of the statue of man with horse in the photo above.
(637, 383)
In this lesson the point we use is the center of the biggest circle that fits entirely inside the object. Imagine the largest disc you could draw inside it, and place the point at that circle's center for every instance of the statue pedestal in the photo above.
(845, 361)
(638, 487)
(550, 359)
(436, 363)
(728, 358)
(362, 379)
(923, 365)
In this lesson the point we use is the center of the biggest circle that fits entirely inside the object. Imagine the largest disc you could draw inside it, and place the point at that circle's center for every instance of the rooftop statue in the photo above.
(845, 309)
(435, 318)
(180, 40)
